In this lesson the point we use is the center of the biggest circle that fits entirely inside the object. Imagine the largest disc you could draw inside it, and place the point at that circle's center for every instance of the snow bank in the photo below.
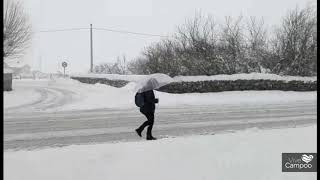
(235, 98)
(252, 154)
(103, 96)
(132, 78)
(231, 77)
(88, 96)
(250, 76)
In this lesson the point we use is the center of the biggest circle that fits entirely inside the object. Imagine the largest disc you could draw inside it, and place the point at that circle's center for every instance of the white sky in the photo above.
(147, 16)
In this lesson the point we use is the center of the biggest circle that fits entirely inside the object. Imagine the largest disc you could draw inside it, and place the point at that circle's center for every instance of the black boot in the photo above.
(151, 138)
(139, 132)
(149, 132)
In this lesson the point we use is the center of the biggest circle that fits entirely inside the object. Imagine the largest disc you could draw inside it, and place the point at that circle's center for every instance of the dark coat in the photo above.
(149, 102)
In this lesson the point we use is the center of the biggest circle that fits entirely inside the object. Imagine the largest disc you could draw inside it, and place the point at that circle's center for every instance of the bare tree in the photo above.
(162, 57)
(257, 33)
(16, 29)
(257, 52)
(119, 67)
(200, 48)
(197, 46)
(156, 58)
(233, 43)
(138, 66)
(296, 43)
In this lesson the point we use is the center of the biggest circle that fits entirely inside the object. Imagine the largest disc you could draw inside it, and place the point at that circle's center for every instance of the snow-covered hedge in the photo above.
(190, 84)
(110, 82)
(238, 85)
(250, 76)
(131, 78)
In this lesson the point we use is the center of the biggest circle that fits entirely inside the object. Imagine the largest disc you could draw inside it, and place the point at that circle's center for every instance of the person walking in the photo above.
(145, 99)
(148, 107)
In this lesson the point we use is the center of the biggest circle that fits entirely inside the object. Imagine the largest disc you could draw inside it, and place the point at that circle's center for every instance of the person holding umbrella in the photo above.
(147, 107)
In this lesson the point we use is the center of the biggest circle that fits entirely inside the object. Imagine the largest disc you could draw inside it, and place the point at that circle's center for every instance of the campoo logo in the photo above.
(299, 162)
(306, 158)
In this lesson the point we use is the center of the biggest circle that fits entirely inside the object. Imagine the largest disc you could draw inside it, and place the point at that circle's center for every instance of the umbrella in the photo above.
(153, 81)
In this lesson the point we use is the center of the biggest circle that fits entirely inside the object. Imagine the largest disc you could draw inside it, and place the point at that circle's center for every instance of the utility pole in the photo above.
(91, 49)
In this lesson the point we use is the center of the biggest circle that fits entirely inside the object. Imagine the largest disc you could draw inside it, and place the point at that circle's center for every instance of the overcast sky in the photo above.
(161, 17)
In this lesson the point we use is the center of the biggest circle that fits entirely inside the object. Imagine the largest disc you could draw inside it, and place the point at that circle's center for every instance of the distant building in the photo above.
(14, 71)
(7, 79)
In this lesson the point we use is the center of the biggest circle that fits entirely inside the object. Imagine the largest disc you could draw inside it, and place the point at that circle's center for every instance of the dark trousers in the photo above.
(149, 122)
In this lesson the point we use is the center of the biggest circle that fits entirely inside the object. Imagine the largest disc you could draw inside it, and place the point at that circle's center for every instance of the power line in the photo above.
(103, 29)
(129, 32)
(57, 30)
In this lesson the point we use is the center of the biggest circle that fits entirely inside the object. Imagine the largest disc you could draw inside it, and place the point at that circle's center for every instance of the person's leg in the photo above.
(143, 125)
(150, 117)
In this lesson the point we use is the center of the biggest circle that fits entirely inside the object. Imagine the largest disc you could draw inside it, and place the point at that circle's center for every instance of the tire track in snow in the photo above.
(50, 98)
(57, 129)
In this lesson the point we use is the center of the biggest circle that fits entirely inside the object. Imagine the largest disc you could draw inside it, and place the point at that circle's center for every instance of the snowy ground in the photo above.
(251, 155)
(66, 94)
(43, 114)
(20, 96)
(64, 112)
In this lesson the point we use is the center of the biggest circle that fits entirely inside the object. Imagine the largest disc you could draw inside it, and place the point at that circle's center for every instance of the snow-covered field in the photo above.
(231, 77)
(67, 94)
(251, 155)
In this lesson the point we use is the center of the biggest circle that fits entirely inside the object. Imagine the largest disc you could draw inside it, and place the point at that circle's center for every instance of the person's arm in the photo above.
(156, 100)
(149, 97)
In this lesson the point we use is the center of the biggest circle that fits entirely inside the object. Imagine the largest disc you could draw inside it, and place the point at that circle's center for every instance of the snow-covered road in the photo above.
(35, 130)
